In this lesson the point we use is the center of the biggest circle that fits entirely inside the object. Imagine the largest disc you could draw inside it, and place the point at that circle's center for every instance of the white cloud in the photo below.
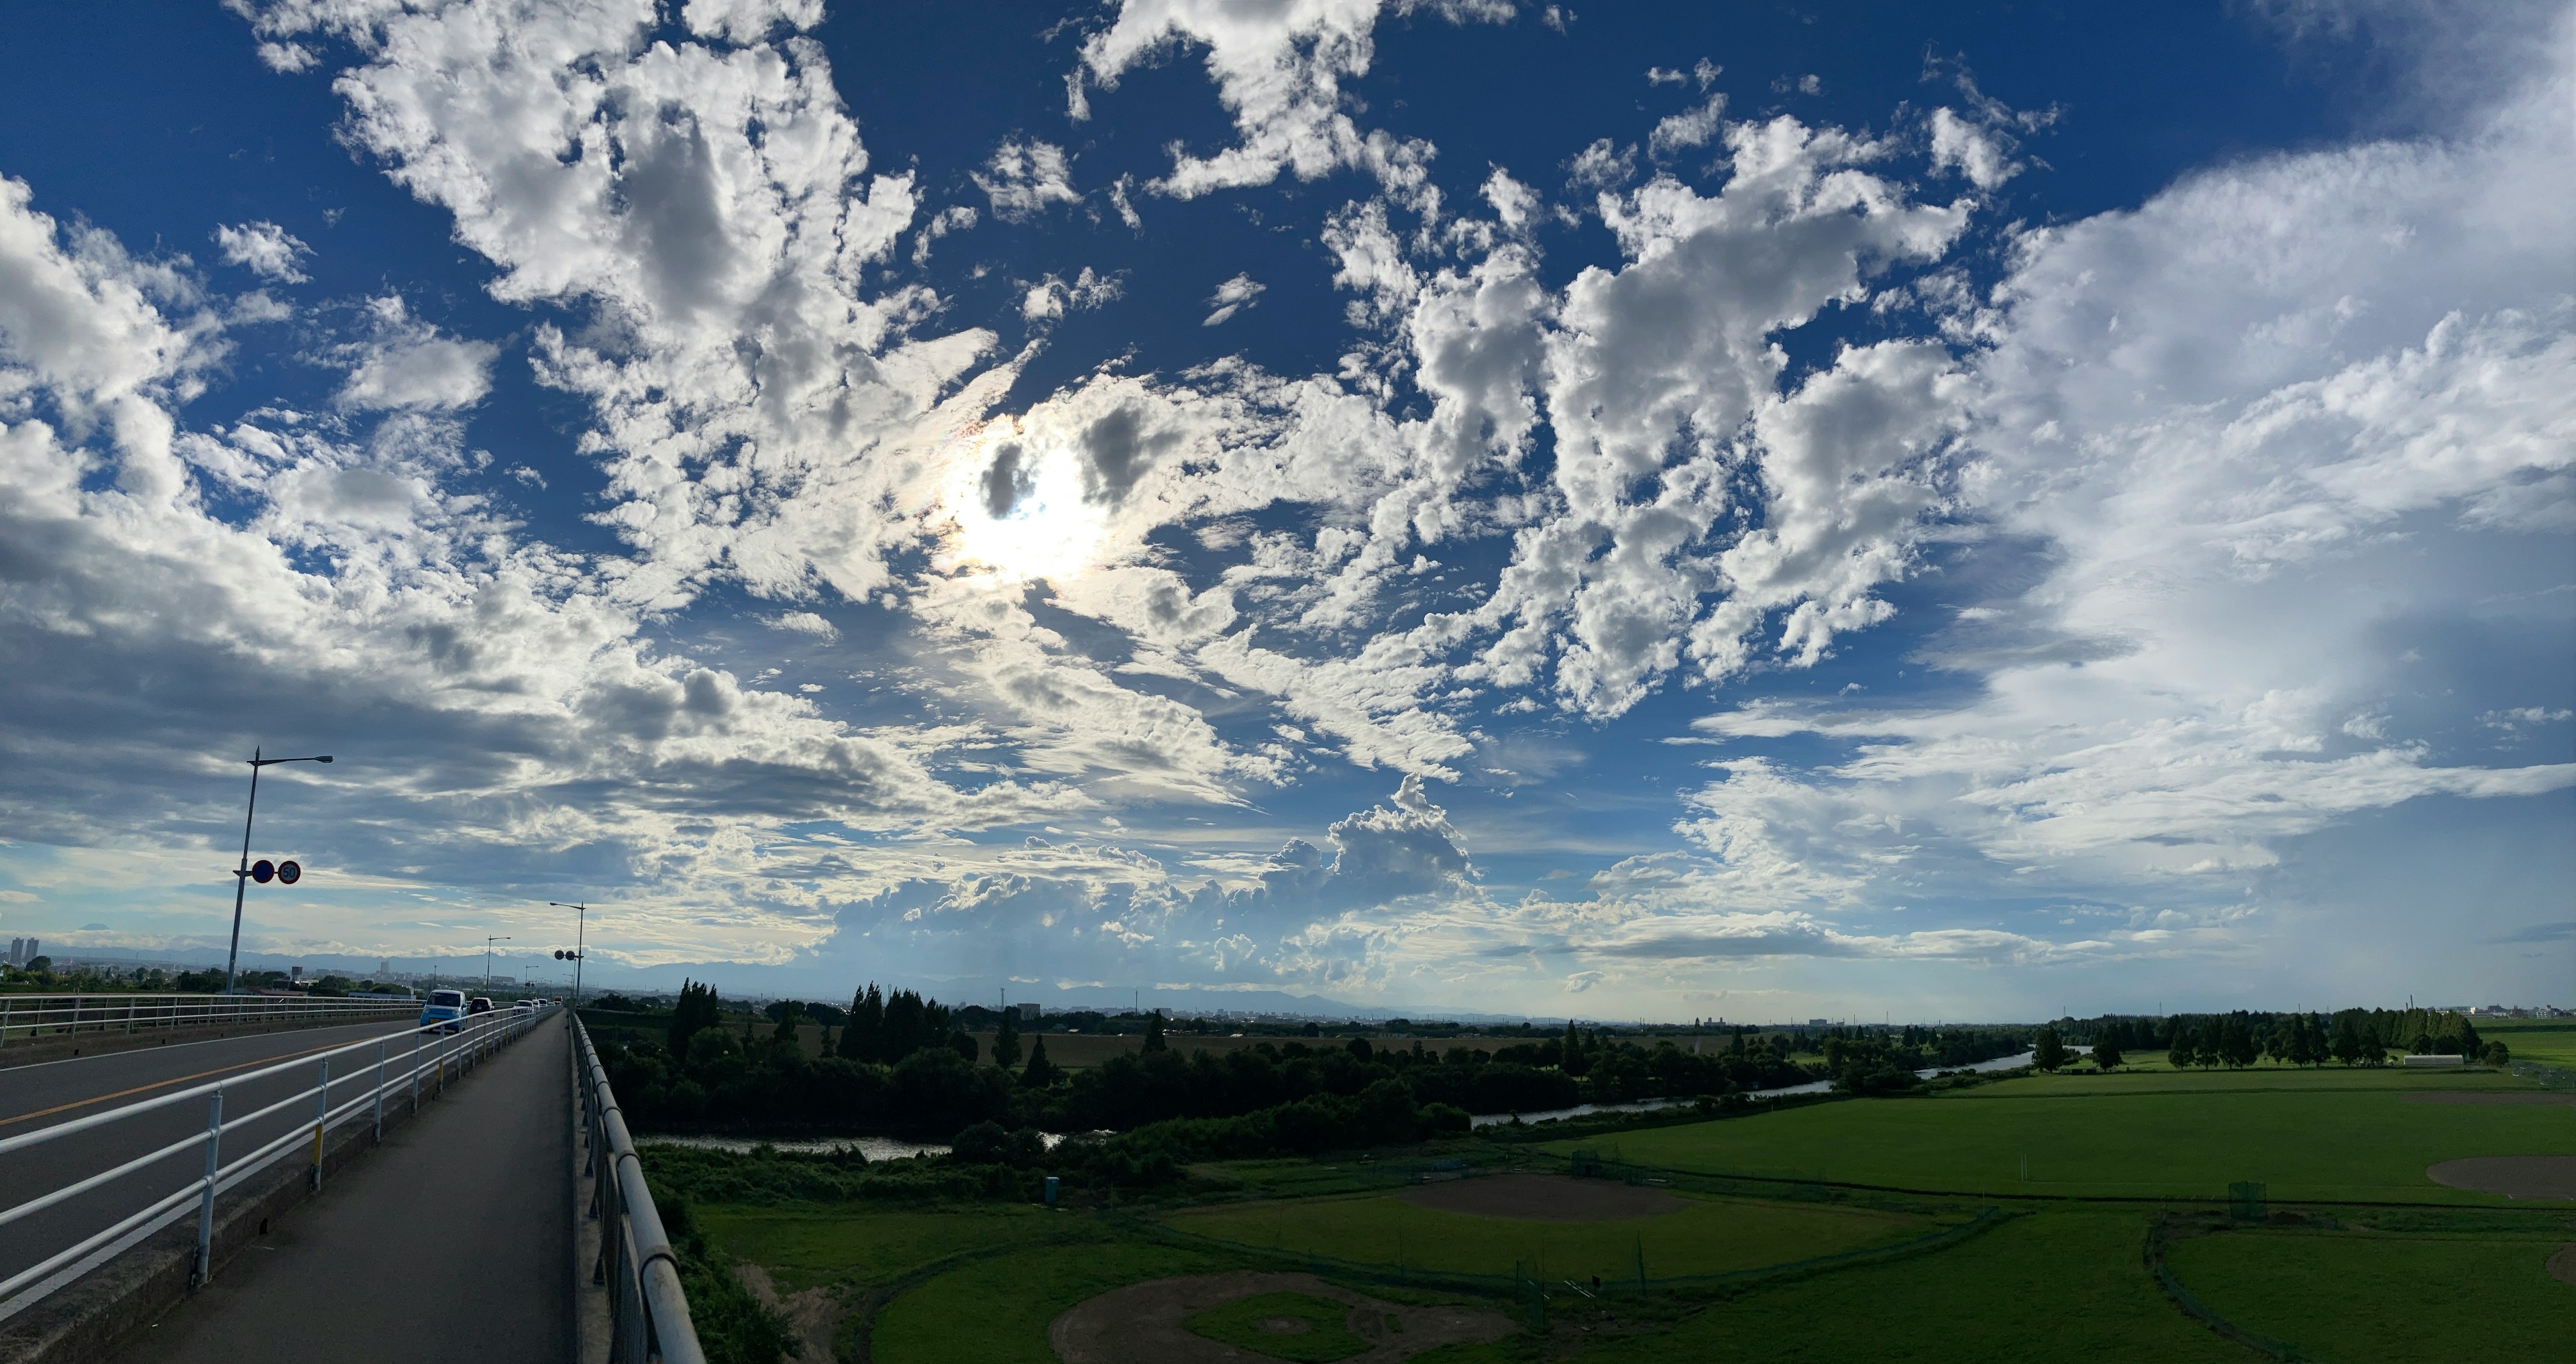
(265, 249)
(1981, 155)
(807, 623)
(1279, 70)
(1053, 297)
(1602, 165)
(2275, 381)
(407, 365)
(1232, 297)
(1514, 204)
(1022, 178)
(954, 218)
(1690, 128)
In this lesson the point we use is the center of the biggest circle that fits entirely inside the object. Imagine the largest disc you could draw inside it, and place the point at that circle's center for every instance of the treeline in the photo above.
(2352, 1037)
(1889, 1061)
(899, 1065)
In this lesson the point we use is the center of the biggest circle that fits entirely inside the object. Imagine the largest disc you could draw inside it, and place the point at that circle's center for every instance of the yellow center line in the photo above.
(165, 1084)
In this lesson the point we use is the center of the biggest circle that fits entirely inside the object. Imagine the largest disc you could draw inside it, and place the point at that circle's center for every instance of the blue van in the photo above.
(446, 1008)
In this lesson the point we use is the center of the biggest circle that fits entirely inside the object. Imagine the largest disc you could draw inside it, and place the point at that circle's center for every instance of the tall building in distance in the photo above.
(17, 951)
(1028, 1011)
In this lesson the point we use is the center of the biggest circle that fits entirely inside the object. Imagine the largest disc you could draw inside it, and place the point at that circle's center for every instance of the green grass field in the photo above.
(865, 1247)
(2054, 1285)
(2550, 1041)
(2365, 1296)
(2319, 1134)
(980, 1282)
(1708, 1236)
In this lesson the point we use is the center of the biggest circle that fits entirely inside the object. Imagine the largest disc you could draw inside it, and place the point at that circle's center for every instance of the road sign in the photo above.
(289, 872)
(262, 870)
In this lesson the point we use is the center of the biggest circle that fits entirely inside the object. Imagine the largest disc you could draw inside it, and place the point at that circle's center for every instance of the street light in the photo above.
(580, 925)
(241, 874)
(487, 959)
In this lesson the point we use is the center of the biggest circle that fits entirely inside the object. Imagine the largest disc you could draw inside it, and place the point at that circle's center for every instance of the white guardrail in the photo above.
(648, 1314)
(384, 1066)
(28, 1016)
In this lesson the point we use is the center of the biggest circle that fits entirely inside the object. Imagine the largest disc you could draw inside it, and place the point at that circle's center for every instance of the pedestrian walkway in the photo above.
(451, 1242)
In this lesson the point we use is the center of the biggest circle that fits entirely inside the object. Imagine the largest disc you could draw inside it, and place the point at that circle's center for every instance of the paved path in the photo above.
(42, 1095)
(451, 1242)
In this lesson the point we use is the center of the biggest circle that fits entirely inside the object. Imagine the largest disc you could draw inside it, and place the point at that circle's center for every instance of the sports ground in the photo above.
(2326, 1214)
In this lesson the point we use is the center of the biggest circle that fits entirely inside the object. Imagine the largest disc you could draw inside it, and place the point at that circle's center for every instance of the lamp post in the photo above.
(487, 959)
(241, 874)
(580, 925)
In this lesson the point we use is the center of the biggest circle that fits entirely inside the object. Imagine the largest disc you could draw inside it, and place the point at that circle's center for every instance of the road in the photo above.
(49, 1093)
(451, 1242)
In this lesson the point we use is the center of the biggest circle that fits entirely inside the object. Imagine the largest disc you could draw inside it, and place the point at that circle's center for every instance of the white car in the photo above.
(445, 1008)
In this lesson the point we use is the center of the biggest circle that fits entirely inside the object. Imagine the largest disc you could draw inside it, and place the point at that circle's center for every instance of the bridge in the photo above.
(217, 1178)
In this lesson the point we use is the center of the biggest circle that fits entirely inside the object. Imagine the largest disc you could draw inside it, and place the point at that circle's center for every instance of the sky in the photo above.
(1637, 512)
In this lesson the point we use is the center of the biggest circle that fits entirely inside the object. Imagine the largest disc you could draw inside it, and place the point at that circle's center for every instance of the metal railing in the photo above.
(25, 1016)
(647, 1311)
(382, 1068)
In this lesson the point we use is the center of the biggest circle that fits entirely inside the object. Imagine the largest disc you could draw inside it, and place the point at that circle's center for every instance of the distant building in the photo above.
(1820, 1022)
(1028, 1011)
(385, 969)
(17, 950)
(35, 949)
(2433, 1061)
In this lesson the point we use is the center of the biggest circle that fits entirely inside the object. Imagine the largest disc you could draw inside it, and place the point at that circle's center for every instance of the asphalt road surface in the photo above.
(451, 1242)
(49, 1093)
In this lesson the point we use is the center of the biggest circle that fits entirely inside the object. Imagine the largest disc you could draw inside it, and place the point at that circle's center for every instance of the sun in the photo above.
(1019, 509)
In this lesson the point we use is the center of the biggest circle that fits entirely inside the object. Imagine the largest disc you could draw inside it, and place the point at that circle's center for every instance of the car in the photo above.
(523, 1004)
(480, 1004)
(446, 1009)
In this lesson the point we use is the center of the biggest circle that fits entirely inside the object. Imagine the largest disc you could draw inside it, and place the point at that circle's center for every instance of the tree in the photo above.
(2496, 1054)
(2046, 1052)
(2106, 1054)
(1041, 1072)
(2181, 1052)
(697, 1011)
(1006, 1041)
(860, 1038)
(790, 1015)
(1154, 1031)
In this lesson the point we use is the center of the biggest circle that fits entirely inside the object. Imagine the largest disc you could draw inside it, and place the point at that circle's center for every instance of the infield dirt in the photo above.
(2512, 1176)
(1146, 1323)
(1543, 1198)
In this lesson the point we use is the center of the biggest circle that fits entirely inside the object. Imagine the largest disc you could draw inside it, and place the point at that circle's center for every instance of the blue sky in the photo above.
(1639, 512)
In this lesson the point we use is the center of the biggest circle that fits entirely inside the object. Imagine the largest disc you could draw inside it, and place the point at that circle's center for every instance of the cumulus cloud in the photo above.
(406, 365)
(1279, 71)
(2129, 486)
(264, 249)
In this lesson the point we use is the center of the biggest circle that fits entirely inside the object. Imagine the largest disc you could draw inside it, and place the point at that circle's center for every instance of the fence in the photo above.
(648, 1312)
(28, 1016)
(379, 1071)
(1528, 1283)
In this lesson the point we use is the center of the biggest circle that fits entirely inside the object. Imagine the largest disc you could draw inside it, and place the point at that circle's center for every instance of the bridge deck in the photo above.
(449, 1243)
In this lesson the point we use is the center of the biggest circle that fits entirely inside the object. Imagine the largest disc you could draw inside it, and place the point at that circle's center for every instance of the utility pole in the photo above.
(241, 874)
(487, 959)
(580, 947)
